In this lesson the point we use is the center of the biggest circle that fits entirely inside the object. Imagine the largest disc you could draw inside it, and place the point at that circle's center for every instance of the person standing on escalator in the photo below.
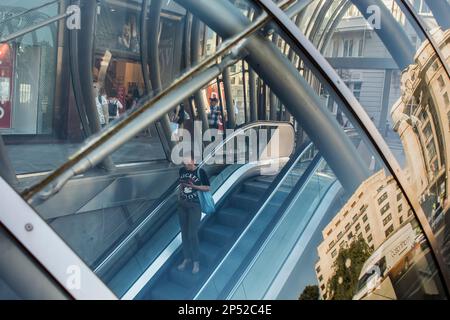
(192, 180)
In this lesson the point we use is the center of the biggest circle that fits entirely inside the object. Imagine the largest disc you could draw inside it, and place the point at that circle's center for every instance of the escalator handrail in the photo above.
(162, 200)
(271, 193)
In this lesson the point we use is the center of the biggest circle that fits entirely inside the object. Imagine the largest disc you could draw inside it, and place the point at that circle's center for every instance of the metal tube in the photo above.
(391, 32)
(144, 46)
(196, 47)
(86, 40)
(32, 28)
(441, 12)
(231, 120)
(76, 81)
(7, 171)
(28, 11)
(155, 75)
(291, 89)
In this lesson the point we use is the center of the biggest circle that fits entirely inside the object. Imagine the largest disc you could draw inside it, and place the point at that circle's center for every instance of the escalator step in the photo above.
(217, 234)
(186, 278)
(232, 217)
(169, 291)
(208, 253)
(255, 188)
(244, 201)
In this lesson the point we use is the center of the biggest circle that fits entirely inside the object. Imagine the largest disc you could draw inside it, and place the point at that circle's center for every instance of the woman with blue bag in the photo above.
(194, 196)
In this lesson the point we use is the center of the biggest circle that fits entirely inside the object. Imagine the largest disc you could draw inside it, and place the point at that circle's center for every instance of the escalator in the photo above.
(217, 235)
(133, 261)
(247, 212)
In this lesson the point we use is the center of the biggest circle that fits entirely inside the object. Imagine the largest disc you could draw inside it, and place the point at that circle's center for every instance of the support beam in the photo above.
(253, 98)
(231, 121)
(6, 169)
(291, 88)
(196, 47)
(385, 101)
(155, 74)
(86, 40)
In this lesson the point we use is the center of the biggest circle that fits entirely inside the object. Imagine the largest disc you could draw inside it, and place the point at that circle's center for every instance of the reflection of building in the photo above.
(422, 119)
(375, 210)
(364, 63)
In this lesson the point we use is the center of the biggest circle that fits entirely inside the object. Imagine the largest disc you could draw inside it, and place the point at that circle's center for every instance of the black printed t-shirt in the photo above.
(187, 176)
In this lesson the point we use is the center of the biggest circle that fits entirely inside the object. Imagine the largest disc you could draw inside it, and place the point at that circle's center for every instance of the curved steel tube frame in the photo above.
(366, 124)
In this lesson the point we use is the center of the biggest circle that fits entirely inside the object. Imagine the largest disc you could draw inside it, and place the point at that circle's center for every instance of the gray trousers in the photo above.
(189, 214)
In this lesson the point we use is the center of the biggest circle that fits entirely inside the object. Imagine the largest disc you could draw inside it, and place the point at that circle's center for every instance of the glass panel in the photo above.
(328, 217)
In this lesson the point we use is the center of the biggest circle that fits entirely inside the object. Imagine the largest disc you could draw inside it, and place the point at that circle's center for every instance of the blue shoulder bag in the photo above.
(206, 199)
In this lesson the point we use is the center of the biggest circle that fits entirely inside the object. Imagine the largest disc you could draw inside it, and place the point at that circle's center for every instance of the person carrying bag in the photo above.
(206, 200)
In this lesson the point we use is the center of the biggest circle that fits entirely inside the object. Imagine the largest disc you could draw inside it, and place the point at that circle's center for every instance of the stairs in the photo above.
(217, 235)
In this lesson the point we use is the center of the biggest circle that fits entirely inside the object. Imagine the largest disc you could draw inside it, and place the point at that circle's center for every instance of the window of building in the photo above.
(233, 68)
(364, 218)
(318, 269)
(339, 235)
(400, 207)
(348, 48)
(446, 99)
(431, 148)
(357, 227)
(335, 52)
(441, 82)
(367, 228)
(382, 198)
(331, 244)
(389, 230)
(400, 219)
(409, 212)
(385, 208)
(334, 253)
(350, 236)
(322, 287)
(233, 80)
(387, 219)
(320, 278)
(399, 196)
(355, 217)
(342, 244)
(357, 89)
(369, 238)
(360, 47)
(347, 226)
(427, 131)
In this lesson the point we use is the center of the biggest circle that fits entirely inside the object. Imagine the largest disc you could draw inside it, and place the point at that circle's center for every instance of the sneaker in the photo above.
(196, 267)
(183, 265)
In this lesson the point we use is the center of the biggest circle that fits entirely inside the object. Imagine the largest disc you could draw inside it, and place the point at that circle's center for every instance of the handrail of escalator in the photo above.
(164, 198)
(268, 196)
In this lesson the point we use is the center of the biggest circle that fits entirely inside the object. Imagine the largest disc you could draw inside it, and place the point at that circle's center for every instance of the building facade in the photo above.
(373, 213)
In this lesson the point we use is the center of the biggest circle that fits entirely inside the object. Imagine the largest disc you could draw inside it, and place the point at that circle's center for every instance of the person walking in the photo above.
(214, 112)
(191, 180)
(114, 105)
(101, 105)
